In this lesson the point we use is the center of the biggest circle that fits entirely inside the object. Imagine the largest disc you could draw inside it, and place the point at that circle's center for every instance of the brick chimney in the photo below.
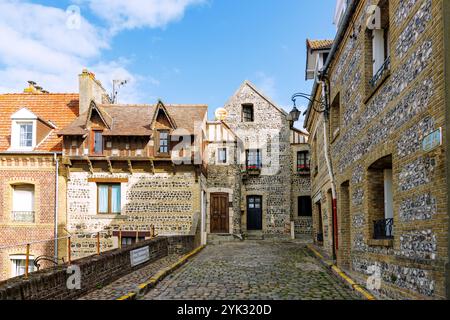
(90, 90)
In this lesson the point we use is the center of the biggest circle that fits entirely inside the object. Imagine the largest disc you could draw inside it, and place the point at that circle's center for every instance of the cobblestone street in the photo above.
(254, 271)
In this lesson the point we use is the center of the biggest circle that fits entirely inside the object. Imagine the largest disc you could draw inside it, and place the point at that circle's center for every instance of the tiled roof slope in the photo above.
(136, 120)
(59, 108)
(319, 44)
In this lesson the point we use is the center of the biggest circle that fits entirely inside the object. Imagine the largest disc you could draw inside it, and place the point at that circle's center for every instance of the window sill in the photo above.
(387, 243)
(110, 216)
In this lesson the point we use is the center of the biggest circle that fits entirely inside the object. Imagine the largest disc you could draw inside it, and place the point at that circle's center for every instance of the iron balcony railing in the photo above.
(386, 66)
(23, 216)
(383, 229)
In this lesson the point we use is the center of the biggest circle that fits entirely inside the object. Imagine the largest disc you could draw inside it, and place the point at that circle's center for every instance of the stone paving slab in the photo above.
(130, 282)
(252, 270)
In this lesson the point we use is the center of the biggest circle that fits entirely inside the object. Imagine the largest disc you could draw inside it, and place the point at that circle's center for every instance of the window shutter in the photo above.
(378, 49)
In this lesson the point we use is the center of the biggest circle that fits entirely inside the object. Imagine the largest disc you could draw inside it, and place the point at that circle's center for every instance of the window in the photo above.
(304, 207)
(128, 241)
(109, 199)
(18, 265)
(222, 155)
(163, 142)
(26, 134)
(303, 161)
(247, 113)
(381, 199)
(23, 203)
(97, 147)
(379, 41)
(254, 160)
(335, 116)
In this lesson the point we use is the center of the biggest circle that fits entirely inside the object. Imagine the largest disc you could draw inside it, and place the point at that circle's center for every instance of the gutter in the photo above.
(336, 45)
(56, 204)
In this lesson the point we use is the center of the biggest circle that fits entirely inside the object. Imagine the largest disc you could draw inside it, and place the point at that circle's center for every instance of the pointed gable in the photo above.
(98, 116)
(162, 118)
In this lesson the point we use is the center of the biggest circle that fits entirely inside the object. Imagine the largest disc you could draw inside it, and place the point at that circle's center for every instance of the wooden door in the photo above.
(219, 213)
(254, 213)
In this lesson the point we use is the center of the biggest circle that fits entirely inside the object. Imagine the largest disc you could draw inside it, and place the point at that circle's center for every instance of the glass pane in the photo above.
(103, 198)
(115, 199)
(98, 142)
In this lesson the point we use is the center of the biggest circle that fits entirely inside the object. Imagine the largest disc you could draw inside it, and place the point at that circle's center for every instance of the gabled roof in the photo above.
(104, 116)
(319, 44)
(55, 109)
(161, 107)
(258, 92)
(137, 120)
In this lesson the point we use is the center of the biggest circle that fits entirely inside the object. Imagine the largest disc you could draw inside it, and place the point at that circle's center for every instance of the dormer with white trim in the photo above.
(28, 130)
(23, 130)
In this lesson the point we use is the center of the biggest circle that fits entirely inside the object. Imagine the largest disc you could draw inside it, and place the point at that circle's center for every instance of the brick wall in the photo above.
(96, 271)
(38, 171)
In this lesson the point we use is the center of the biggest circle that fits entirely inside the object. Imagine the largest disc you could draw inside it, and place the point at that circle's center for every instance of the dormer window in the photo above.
(97, 142)
(23, 130)
(164, 142)
(26, 135)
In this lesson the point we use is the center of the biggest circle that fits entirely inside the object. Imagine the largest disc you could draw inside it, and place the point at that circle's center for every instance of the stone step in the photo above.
(217, 239)
(255, 235)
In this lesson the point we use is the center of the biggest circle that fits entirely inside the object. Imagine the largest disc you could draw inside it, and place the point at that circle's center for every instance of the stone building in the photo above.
(124, 174)
(258, 171)
(30, 151)
(385, 87)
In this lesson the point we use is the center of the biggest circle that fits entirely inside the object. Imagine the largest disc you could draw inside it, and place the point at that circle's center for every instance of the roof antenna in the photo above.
(117, 84)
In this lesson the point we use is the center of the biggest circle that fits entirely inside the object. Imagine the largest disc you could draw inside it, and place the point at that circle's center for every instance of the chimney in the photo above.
(90, 90)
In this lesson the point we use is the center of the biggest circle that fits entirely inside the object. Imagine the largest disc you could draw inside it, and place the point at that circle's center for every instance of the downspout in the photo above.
(56, 204)
(325, 91)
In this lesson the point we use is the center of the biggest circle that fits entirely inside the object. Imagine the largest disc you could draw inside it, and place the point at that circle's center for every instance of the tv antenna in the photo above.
(117, 84)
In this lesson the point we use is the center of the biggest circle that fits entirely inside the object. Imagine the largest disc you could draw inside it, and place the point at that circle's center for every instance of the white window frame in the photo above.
(20, 257)
(218, 155)
(23, 116)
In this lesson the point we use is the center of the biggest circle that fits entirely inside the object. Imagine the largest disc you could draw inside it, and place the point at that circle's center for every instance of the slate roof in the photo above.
(137, 120)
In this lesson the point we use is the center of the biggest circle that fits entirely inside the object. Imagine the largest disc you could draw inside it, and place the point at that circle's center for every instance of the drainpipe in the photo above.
(55, 155)
(325, 91)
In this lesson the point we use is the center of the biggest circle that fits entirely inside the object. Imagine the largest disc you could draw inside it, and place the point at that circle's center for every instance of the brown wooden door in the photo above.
(219, 213)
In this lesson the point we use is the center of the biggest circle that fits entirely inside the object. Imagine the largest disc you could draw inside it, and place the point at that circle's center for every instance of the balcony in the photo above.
(381, 73)
(383, 229)
(23, 216)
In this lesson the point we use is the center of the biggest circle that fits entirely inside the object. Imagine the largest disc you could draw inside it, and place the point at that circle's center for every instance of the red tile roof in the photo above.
(59, 108)
(319, 44)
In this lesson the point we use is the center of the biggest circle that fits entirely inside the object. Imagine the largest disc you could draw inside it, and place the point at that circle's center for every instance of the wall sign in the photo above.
(432, 141)
(139, 256)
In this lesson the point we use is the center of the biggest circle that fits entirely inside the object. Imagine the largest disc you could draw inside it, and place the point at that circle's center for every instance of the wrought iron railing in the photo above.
(386, 66)
(383, 229)
(23, 216)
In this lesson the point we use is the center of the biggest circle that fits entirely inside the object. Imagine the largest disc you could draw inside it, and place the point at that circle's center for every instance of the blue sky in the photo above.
(186, 51)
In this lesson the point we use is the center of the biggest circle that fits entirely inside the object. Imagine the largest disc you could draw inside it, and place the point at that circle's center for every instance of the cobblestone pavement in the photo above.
(130, 282)
(252, 271)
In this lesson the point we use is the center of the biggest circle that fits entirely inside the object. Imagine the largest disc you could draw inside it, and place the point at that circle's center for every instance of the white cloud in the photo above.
(36, 44)
(131, 14)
